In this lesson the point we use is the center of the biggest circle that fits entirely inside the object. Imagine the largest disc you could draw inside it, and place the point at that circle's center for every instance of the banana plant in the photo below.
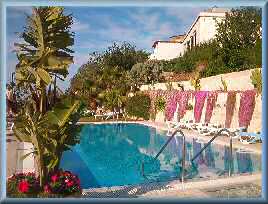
(51, 134)
(45, 52)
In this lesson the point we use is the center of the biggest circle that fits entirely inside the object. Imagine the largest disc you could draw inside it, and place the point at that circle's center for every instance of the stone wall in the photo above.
(235, 81)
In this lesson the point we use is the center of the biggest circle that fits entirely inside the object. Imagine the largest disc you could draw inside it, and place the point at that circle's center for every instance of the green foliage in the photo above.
(195, 82)
(123, 56)
(45, 119)
(138, 106)
(192, 58)
(44, 54)
(169, 86)
(113, 99)
(104, 73)
(160, 104)
(256, 80)
(51, 134)
(239, 31)
(238, 37)
(224, 84)
(22, 183)
(149, 72)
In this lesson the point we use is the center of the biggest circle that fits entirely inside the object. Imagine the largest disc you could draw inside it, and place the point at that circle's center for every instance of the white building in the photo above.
(203, 29)
(168, 49)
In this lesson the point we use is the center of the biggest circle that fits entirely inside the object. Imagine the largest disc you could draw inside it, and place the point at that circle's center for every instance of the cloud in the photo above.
(148, 20)
(185, 16)
(10, 47)
(18, 11)
(80, 58)
(78, 26)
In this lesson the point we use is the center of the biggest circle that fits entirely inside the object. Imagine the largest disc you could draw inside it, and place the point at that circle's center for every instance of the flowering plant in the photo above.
(23, 183)
(62, 182)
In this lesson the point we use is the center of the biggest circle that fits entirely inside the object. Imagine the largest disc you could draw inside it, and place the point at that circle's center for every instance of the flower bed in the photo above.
(60, 184)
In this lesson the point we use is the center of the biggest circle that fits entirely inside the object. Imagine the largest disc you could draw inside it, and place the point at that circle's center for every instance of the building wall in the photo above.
(195, 28)
(166, 51)
(208, 28)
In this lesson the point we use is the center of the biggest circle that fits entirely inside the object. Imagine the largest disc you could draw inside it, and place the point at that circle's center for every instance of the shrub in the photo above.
(23, 183)
(169, 86)
(195, 82)
(256, 80)
(160, 104)
(62, 182)
(224, 85)
(138, 106)
(148, 72)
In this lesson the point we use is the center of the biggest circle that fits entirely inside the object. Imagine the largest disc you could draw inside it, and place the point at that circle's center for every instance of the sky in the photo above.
(96, 28)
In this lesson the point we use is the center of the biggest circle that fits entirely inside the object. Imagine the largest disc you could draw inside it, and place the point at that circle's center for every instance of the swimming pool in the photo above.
(111, 155)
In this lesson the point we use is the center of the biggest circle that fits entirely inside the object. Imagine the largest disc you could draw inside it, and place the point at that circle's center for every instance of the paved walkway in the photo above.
(244, 186)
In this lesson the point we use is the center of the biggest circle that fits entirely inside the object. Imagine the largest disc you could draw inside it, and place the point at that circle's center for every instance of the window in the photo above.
(188, 44)
(194, 38)
(192, 42)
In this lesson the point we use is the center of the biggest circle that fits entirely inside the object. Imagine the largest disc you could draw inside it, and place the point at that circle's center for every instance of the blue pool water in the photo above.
(111, 155)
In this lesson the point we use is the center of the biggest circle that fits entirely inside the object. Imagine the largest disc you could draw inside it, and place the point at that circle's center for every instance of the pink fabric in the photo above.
(230, 106)
(246, 108)
(171, 105)
(183, 103)
(211, 101)
(200, 98)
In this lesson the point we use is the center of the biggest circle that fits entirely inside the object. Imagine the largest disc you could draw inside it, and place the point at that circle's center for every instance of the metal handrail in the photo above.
(210, 141)
(184, 148)
(164, 146)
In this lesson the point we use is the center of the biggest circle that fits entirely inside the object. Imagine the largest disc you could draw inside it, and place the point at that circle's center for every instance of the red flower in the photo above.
(54, 178)
(66, 173)
(70, 183)
(47, 189)
(78, 181)
(23, 186)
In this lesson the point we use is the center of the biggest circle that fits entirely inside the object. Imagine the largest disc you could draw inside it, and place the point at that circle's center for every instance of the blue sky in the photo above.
(98, 27)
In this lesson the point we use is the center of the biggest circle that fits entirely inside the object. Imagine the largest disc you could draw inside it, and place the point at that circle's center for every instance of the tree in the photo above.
(238, 34)
(122, 56)
(149, 72)
(106, 74)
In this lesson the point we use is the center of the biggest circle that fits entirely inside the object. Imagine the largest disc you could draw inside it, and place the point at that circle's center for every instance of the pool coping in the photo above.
(178, 185)
(188, 134)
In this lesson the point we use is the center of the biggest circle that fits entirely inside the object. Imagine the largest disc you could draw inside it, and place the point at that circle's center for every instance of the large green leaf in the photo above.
(21, 135)
(28, 154)
(59, 61)
(44, 75)
(62, 112)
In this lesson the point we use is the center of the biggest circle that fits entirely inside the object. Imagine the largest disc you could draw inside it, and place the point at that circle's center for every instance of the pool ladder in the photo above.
(178, 130)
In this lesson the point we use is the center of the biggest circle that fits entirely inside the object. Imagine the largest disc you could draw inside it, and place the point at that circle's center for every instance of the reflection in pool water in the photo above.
(111, 155)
